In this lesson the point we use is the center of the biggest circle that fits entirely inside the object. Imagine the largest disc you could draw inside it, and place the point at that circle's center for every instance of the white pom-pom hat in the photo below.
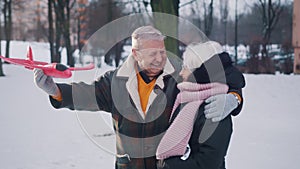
(197, 53)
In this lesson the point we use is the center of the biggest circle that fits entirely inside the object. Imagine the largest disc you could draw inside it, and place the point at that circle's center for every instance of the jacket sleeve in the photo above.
(236, 81)
(89, 97)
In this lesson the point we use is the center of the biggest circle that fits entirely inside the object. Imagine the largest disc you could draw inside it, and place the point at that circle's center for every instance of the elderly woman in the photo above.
(201, 124)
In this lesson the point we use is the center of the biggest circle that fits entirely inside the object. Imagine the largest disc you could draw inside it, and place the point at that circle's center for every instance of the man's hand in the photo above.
(45, 82)
(220, 106)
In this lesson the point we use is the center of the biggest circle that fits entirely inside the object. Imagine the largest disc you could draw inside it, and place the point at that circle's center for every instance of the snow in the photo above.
(34, 135)
(266, 133)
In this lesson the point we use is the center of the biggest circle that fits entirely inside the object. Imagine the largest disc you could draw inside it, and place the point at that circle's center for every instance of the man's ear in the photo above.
(134, 54)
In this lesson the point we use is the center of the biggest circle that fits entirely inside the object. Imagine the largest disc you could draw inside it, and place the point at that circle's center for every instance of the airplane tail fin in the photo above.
(29, 54)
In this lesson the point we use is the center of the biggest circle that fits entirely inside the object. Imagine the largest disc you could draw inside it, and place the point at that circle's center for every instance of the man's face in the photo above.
(151, 57)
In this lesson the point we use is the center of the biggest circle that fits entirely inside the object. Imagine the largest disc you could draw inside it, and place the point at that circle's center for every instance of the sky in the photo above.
(34, 135)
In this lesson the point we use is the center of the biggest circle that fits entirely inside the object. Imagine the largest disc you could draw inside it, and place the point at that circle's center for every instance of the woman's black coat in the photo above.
(210, 153)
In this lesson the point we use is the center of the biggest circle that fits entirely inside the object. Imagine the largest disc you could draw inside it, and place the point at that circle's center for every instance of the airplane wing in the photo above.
(30, 64)
(24, 62)
(88, 67)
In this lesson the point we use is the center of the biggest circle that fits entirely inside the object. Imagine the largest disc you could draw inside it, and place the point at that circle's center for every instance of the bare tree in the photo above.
(62, 10)
(69, 4)
(205, 14)
(169, 7)
(7, 12)
(196, 14)
(82, 20)
(20, 26)
(109, 10)
(236, 33)
(224, 17)
(1, 68)
(51, 30)
(58, 10)
(39, 32)
(270, 12)
(208, 17)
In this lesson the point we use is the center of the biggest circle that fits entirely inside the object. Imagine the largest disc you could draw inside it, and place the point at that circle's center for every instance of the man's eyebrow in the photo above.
(153, 52)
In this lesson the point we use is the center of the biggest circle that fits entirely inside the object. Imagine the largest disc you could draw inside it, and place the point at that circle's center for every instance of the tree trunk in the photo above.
(51, 30)
(58, 30)
(224, 17)
(7, 25)
(119, 50)
(62, 24)
(170, 26)
(1, 68)
(208, 18)
(236, 34)
(270, 12)
(38, 22)
(108, 55)
(81, 23)
(79, 45)
(67, 35)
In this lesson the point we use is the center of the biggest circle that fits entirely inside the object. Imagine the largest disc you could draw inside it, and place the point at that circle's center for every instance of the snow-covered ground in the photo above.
(33, 135)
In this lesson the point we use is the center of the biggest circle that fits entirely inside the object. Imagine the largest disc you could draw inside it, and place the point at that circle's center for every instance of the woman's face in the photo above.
(185, 73)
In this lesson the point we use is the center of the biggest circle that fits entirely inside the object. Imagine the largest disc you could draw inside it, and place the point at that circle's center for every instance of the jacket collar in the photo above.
(127, 70)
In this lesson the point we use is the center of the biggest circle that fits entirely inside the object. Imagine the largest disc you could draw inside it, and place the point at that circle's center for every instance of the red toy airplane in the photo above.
(56, 70)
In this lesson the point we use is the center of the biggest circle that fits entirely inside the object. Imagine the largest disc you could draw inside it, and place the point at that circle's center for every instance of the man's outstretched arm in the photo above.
(79, 96)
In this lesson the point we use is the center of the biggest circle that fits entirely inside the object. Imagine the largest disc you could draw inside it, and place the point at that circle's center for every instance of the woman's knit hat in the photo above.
(197, 53)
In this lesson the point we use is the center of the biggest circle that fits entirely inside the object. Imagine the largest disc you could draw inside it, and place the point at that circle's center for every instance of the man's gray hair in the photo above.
(145, 33)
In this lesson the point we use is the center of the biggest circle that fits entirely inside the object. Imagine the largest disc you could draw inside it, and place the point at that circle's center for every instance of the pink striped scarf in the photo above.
(176, 138)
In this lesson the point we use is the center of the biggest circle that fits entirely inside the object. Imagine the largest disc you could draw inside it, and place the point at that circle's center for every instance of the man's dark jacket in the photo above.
(116, 92)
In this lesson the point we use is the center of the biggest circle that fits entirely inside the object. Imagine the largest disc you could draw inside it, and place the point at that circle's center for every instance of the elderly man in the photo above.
(139, 95)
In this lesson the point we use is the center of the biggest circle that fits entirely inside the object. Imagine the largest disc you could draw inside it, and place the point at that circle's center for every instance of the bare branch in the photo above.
(187, 3)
